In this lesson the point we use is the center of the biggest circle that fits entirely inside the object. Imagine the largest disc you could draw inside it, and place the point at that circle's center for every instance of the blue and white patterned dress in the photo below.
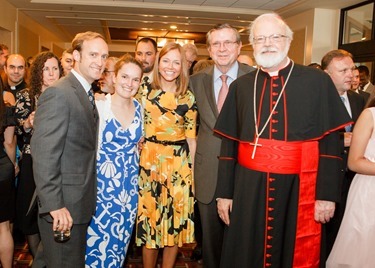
(110, 230)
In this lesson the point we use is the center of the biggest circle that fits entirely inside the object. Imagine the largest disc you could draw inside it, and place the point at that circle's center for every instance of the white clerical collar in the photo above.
(86, 85)
(276, 73)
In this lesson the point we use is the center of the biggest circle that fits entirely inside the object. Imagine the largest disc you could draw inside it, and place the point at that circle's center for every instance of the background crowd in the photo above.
(264, 165)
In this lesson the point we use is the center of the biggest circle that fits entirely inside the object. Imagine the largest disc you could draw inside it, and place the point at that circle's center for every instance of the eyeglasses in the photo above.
(227, 44)
(275, 38)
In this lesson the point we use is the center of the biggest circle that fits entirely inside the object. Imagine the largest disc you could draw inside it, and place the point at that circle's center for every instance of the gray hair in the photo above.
(220, 27)
(191, 47)
(269, 16)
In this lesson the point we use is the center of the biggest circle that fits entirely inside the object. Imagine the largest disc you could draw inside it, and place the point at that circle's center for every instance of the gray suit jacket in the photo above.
(63, 148)
(371, 89)
(208, 145)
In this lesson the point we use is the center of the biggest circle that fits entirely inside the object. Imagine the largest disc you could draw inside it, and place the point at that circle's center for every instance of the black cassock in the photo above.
(262, 231)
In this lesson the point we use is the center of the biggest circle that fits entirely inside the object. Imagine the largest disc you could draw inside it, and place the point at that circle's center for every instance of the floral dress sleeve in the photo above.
(23, 109)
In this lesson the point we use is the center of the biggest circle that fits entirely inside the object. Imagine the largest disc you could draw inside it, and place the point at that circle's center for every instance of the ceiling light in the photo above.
(173, 27)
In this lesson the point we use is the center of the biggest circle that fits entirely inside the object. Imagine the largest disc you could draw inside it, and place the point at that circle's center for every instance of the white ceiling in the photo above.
(120, 20)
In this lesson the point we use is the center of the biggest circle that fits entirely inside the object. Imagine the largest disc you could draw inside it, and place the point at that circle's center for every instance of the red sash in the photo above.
(280, 157)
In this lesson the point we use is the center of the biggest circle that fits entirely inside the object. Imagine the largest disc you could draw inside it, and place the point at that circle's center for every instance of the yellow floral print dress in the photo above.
(166, 200)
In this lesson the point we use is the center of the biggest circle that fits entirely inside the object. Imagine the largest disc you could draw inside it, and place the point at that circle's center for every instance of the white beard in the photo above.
(271, 59)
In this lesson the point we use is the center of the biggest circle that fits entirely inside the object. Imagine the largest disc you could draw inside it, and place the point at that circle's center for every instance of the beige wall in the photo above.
(7, 24)
(320, 27)
(23, 35)
(326, 34)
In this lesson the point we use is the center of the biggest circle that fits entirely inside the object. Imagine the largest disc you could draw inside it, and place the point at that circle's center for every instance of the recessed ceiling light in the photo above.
(173, 27)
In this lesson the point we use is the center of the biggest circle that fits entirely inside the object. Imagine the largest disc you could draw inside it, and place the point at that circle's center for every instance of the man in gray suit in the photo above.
(64, 153)
(224, 45)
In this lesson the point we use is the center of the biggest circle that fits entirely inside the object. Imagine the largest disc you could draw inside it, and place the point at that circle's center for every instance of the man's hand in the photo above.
(224, 207)
(99, 96)
(347, 139)
(62, 221)
(324, 211)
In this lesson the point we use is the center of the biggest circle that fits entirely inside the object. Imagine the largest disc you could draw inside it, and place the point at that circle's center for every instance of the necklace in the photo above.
(257, 132)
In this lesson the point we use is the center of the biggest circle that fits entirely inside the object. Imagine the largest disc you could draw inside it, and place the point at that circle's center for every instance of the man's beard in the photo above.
(147, 68)
(270, 60)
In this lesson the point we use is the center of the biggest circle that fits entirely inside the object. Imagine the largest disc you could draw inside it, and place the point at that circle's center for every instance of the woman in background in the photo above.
(355, 241)
(120, 129)
(166, 200)
(7, 175)
(45, 70)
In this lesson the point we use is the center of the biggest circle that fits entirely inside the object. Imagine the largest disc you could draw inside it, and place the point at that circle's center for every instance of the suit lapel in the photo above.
(353, 105)
(210, 91)
(83, 98)
(209, 86)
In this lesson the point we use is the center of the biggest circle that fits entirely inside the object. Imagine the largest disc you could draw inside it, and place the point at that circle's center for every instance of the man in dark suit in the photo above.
(340, 67)
(366, 84)
(356, 85)
(224, 45)
(64, 153)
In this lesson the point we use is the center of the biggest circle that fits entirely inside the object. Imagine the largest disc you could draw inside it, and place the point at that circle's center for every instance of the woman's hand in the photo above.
(29, 122)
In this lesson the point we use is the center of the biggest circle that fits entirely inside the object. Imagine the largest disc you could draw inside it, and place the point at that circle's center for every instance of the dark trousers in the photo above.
(212, 234)
(70, 254)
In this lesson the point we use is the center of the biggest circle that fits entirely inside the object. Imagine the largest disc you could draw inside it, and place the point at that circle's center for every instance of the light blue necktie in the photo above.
(348, 128)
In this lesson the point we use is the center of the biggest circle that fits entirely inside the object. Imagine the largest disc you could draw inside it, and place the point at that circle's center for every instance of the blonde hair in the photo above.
(81, 37)
(182, 80)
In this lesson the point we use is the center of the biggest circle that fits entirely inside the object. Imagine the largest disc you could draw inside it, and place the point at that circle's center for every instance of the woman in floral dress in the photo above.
(120, 129)
(166, 201)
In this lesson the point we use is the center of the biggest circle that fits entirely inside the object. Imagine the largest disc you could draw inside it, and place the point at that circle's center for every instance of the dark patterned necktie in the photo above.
(91, 97)
(146, 80)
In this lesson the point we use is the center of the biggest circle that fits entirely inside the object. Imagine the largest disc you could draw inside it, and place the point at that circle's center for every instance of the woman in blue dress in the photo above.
(120, 130)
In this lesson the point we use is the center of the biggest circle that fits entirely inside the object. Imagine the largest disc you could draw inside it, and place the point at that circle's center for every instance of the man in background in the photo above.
(67, 60)
(356, 85)
(191, 54)
(245, 59)
(106, 80)
(365, 83)
(145, 52)
(340, 67)
(4, 52)
(15, 70)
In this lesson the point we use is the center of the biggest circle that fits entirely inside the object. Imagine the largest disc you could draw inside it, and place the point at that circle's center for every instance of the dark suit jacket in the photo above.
(63, 148)
(357, 104)
(365, 95)
(208, 145)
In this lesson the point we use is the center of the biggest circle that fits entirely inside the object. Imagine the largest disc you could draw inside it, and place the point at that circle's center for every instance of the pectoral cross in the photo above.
(255, 146)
